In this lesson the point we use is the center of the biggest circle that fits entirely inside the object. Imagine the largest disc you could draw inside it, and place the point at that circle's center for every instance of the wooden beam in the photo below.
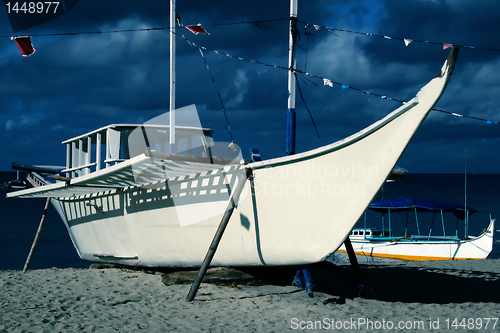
(37, 236)
(218, 235)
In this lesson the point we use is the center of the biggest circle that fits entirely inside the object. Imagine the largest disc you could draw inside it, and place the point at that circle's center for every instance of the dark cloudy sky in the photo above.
(74, 84)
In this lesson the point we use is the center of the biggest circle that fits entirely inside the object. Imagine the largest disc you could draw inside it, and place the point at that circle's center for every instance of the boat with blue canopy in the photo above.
(386, 243)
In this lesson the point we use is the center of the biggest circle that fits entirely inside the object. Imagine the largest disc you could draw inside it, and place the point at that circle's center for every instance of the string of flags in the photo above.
(458, 116)
(328, 82)
(26, 48)
(196, 29)
(407, 41)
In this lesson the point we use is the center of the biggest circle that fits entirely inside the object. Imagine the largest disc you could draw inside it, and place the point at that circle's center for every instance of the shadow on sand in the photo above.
(391, 283)
(396, 283)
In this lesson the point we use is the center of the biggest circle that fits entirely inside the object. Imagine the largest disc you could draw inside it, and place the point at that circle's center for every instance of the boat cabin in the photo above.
(113, 144)
(367, 233)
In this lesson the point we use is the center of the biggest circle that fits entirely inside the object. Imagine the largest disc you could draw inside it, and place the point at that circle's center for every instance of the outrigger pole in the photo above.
(233, 200)
(38, 232)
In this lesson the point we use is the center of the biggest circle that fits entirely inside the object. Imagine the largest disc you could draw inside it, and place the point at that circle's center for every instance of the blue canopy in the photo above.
(421, 205)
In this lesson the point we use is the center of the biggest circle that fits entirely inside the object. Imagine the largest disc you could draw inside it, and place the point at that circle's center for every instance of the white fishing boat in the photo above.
(397, 174)
(126, 199)
(375, 242)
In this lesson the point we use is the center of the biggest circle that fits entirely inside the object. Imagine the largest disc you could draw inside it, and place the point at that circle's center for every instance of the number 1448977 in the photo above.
(32, 7)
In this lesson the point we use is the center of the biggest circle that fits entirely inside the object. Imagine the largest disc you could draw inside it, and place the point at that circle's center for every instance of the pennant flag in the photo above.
(317, 27)
(445, 46)
(408, 41)
(26, 15)
(387, 37)
(457, 116)
(24, 45)
(491, 122)
(345, 87)
(327, 82)
(197, 29)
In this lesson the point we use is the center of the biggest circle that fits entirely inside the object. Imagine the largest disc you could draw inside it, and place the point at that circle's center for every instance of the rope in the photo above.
(317, 27)
(302, 97)
(343, 86)
(218, 94)
(259, 24)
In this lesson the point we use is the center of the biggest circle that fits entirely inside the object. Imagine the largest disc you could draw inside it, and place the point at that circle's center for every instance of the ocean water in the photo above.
(19, 218)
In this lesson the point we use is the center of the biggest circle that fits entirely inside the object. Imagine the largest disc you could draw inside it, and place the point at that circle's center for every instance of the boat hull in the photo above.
(293, 210)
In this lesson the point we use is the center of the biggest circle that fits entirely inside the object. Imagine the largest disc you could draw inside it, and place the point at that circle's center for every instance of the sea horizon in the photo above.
(19, 218)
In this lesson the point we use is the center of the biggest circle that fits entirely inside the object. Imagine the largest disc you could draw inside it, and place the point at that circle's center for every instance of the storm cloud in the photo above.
(76, 83)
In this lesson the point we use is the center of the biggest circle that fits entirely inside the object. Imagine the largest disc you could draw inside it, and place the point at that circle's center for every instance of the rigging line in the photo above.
(307, 45)
(303, 77)
(286, 68)
(259, 23)
(95, 32)
(262, 25)
(302, 98)
(464, 116)
(216, 89)
(317, 27)
(256, 23)
(333, 82)
(396, 194)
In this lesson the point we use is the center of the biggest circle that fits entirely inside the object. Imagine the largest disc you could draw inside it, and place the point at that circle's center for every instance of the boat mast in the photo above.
(465, 198)
(172, 77)
(290, 123)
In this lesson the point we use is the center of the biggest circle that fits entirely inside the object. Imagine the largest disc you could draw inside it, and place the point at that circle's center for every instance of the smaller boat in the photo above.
(383, 243)
(16, 184)
(396, 174)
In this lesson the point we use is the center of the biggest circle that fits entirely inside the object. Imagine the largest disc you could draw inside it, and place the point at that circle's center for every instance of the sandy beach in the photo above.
(408, 296)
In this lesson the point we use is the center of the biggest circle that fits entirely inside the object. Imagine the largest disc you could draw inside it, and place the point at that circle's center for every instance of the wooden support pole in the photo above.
(40, 226)
(352, 258)
(218, 235)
